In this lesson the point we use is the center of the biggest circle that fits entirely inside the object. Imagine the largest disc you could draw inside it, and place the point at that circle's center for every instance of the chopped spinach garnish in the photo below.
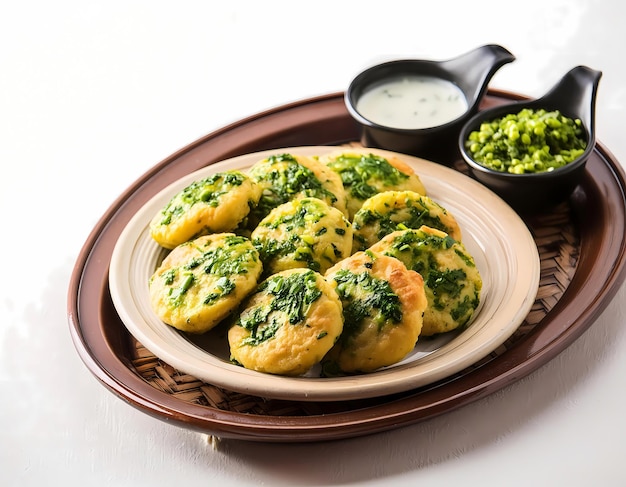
(224, 286)
(364, 175)
(307, 212)
(235, 256)
(208, 191)
(177, 294)
(445, 283)
(227, 259)
(365, 296)
(298, 238)
(464, 309)
(284, 184)
(291, 295)
(413, 216)
(445, 287)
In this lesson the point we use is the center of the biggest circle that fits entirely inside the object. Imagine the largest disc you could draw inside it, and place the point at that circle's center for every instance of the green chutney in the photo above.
(529, 141)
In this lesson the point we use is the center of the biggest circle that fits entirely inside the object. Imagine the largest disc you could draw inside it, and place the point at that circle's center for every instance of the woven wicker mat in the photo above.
(558, 244)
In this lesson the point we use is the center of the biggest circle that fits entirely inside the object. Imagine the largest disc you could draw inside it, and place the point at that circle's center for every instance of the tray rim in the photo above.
(480, 383)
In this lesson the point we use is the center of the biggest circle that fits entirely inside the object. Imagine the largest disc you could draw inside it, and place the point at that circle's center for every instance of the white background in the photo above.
(93, 94)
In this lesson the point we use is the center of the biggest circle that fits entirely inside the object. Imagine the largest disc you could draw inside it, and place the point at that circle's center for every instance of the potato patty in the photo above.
(201, 281)
(217, 203)
(365, 174)
(451, 278)
(304, 232)
(283, 177)
(394, 210)
(288, 324)
(383, 303)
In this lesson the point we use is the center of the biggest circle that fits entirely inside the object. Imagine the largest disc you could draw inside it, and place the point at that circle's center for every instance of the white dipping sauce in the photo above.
(412, 102)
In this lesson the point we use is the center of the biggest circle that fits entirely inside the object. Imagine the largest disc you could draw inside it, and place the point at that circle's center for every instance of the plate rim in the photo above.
(522, 255)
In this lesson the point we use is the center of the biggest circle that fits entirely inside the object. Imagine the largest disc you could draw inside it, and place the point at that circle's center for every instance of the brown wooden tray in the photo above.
(582, 251)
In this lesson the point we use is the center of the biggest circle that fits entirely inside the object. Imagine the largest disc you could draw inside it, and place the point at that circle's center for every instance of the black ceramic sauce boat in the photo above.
(470, 72)
(574, 95)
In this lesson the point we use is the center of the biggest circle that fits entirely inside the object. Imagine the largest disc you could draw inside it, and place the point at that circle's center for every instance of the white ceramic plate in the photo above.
(497, 238)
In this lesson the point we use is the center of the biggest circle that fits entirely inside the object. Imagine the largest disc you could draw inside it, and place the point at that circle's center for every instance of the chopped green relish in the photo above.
(528, 141)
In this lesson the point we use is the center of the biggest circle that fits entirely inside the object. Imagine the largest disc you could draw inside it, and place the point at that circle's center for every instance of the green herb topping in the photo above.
(299, 237)
(307, 212)
(363, 175)
(232, 258)
(417, 211)
(416, 250)
(365, 296)
(227, 259)
(291, 296)
(285, 184)
(208, 191)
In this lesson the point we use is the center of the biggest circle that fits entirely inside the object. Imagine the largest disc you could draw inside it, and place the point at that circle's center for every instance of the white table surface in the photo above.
(93, 94)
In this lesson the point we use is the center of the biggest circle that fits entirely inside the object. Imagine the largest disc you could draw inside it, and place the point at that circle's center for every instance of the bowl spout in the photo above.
(575, 95)
(474, 69)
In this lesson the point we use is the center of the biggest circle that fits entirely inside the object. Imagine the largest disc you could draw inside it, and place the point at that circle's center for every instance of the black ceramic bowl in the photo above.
(470, 73)
(574, 96)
